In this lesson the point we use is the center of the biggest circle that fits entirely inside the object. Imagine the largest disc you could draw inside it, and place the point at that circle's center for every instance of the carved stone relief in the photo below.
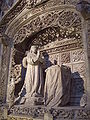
(12, 14)
(78, 55)
(18, 118)
(54, 32)
(66, 30)
(58, 114)
(80, 69)
(60, 35)
(24, 4)
(54, 40)
(65, 57)
(67, 25)
(55, 57)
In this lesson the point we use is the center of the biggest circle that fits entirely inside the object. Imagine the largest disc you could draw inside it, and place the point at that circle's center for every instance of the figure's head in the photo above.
(34, 49)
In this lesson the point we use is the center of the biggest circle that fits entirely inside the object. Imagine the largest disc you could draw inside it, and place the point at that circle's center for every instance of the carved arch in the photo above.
(62, 26)
(62, 18)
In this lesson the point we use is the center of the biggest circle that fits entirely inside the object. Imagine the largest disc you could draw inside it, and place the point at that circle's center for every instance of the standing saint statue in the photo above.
(34, 81)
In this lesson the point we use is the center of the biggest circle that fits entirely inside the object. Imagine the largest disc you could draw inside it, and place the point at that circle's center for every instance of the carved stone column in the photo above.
(5, 47)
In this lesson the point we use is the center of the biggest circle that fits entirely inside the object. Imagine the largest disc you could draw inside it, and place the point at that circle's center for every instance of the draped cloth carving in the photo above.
(57, 86)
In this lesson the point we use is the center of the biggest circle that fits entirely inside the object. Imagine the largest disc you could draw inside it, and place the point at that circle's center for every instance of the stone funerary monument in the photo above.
(45, 60)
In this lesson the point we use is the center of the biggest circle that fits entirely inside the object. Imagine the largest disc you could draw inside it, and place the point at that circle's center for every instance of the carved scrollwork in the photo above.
(21, 4)
(10, 15)
(31, 111)
(62, 114)
(55, 57)
(65, 57)
(78, 55)
(15, 71)
(33, 3)
(85, 114)
(56, 113)
(60, 18)
(18, 118)
(80, 70)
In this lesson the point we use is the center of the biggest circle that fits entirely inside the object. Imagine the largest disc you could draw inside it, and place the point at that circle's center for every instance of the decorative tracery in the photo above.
(68, 21)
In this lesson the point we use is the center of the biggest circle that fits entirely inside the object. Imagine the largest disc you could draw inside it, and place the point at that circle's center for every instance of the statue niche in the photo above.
(51, 90)
(34, 89)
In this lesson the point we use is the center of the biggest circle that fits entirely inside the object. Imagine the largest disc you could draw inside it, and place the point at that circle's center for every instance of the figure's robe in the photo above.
(57, 86)
(34, 81)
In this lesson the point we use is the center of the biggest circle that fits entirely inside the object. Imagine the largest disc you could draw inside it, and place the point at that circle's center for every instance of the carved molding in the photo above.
(18, 118)
(57, 113)
(65, 48)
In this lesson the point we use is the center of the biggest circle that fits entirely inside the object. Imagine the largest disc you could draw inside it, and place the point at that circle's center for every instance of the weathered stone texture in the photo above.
(57, 28)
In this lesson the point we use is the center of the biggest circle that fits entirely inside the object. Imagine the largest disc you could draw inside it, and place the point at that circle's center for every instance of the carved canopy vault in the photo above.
(57, 28)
